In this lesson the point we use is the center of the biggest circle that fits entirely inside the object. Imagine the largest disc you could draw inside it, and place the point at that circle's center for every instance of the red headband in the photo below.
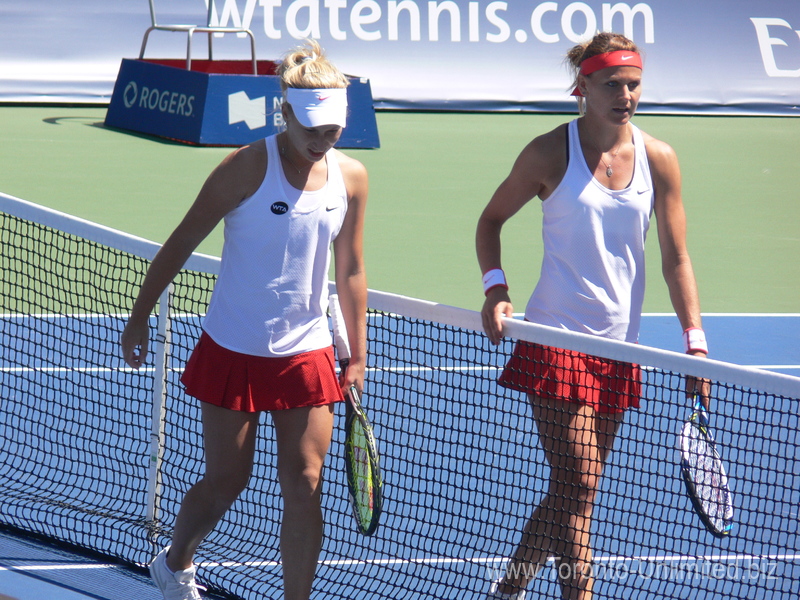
(618, 58)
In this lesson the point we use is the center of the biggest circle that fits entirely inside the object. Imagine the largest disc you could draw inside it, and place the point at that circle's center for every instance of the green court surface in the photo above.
(429, 182)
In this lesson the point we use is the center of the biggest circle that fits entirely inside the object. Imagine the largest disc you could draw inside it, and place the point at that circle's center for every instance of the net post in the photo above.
(158, 409)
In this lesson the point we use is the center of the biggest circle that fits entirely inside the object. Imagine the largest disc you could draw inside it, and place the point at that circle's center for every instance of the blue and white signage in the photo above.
(218, 109)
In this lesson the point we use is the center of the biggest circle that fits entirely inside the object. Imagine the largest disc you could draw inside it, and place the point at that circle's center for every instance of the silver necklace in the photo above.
(291, 162)
(609, 170)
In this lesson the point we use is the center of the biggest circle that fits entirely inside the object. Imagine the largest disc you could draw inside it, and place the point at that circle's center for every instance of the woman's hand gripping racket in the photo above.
(704, 474)
(361, 458)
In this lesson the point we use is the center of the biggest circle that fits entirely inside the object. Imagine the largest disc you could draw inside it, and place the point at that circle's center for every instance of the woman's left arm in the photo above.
(351, 279)
(676, 264)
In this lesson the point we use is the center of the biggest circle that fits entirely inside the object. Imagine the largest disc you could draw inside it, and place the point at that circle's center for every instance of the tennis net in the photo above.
(98, 455)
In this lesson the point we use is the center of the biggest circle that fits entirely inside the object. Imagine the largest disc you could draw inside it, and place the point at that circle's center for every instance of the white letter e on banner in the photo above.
(765, 44)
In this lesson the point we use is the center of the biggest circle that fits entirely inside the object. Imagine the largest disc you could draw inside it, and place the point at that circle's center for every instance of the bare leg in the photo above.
(304, 436)
(576, 441)
(229, 440)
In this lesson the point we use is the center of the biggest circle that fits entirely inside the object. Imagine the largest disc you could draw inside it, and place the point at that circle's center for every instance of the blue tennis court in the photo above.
(428, 489)
(31, 570)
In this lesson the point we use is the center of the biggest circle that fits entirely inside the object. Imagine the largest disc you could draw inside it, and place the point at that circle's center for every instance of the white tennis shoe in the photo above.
(495, 594)
(178, 585)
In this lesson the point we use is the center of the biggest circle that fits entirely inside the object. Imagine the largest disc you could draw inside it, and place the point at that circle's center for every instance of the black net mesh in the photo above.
(461, 458)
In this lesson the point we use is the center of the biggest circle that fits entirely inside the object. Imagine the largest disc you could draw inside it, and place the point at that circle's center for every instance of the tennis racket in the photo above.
(704, 474)
(364, 481)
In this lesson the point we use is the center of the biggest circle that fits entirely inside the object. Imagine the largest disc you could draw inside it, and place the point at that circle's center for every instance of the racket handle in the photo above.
(354, 396)
(700, 410)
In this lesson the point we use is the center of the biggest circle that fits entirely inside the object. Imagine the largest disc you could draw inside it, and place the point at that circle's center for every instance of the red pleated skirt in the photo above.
(248, 383)
(606, 385)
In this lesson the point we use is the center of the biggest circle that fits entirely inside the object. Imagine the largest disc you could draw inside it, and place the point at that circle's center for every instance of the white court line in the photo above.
(412, 369)
(75, 369)
(720, 558)
(497, 559)
(733, 314)
(370, 315)
(58, 567)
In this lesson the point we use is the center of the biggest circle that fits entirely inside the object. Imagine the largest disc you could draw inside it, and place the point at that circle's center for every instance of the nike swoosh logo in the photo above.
(330, 208)
(626, 57)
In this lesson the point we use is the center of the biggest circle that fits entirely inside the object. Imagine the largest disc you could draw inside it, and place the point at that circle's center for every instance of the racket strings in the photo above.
(363, 471)
(705, 469)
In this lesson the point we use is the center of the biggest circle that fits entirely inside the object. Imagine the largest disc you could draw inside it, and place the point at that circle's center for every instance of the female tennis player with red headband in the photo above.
(599, 179)
(266, 345)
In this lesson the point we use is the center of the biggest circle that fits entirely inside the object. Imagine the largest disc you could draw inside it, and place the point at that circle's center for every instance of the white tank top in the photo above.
(593, 278)
(271, 296)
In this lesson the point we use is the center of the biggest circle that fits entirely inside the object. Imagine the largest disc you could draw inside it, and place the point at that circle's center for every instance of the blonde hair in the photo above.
(307, 67)
(600, 44)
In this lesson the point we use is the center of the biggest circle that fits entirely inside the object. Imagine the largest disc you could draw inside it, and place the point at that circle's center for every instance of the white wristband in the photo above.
(694, 338)
(494, 278)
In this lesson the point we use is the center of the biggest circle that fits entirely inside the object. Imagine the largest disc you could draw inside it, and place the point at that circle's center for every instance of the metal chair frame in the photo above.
(190, 30)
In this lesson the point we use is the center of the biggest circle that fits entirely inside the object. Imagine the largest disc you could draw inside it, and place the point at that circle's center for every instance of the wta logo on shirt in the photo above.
(279, 208)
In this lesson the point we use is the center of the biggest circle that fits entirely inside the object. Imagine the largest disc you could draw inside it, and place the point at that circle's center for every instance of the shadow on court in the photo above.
(32, 570)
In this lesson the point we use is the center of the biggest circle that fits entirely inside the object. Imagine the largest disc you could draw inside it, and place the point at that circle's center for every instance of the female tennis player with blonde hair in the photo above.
(266, 345)
(599, 179)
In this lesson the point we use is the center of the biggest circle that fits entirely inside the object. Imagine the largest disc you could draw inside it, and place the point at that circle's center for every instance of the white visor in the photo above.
(315, 107)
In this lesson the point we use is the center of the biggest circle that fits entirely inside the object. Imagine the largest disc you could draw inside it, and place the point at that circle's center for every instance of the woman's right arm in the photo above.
(529, 177)
(230, 183)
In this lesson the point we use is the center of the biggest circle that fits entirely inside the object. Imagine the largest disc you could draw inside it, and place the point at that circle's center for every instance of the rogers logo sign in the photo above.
(130, 94)
(765, 29)
(165, 101)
